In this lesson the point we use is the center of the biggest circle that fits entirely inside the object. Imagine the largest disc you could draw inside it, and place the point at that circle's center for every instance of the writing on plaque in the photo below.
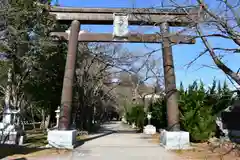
(120, 26)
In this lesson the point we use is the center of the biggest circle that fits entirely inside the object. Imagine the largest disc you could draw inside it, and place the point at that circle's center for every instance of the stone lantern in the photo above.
(149, 116)
(57, 116)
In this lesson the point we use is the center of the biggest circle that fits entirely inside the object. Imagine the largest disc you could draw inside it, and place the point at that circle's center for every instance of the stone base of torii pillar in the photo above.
(61, 139)
(175, 140)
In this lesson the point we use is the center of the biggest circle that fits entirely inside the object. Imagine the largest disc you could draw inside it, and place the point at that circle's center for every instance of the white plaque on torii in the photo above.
(120, 26)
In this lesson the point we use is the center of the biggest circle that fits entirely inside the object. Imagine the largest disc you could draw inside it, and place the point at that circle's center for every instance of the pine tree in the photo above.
(26, 42)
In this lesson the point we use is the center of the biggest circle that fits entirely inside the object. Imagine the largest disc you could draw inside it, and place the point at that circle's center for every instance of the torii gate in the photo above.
(104, 16)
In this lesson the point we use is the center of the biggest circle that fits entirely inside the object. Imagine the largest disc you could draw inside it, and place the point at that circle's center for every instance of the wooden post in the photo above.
(67, 90)
(170, 82)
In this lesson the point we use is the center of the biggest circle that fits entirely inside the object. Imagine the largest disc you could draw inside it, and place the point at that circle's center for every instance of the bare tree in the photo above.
(97, 93)
(221, 23)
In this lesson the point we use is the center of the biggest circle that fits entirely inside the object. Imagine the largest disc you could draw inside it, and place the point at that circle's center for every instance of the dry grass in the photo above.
(38, 153)
(82, 137)
(204, 151)
(156, 138)
(35, 139)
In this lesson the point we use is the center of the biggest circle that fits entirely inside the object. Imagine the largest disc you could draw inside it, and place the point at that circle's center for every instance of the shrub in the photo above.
(159, 114)
(198, 109)
(136, 115)
(195, 116)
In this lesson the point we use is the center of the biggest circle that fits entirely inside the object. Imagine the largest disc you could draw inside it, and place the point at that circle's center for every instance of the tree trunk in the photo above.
(33, 121)
(42, 126)
(7, 118)
(47, 122)
(89, 122)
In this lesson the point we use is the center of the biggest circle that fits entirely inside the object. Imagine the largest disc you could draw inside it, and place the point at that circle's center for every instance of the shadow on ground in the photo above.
(10, 150)
(128, 131)
(81, 142)
(105, 132)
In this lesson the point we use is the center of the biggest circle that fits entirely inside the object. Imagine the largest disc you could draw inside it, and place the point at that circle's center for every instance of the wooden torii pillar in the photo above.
(164, 17)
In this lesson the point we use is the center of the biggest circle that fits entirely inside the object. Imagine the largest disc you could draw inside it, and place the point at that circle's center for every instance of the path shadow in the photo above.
(81, 142)
(111, 122)
(105, 130)
(10, 150)
(127, 131)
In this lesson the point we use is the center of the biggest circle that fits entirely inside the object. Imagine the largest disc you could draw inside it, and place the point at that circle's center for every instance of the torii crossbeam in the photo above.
(132, 38)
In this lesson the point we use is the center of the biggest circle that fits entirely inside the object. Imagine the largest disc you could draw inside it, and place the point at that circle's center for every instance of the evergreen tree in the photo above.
(34, 61)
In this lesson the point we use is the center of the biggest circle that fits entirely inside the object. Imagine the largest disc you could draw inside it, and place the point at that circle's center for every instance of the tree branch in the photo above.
(216, 60)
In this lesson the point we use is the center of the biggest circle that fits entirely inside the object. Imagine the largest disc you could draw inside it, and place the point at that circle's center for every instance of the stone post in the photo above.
(65, 136)
(170, 81)
(66, 100)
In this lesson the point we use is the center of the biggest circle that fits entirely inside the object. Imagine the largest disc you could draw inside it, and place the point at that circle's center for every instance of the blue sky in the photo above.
(183, 54)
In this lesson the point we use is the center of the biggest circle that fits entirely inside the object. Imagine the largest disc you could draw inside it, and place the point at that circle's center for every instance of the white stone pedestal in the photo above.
(62, 139)
(149, 129)
(133, 125)
(124, 120)
(175, 140)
